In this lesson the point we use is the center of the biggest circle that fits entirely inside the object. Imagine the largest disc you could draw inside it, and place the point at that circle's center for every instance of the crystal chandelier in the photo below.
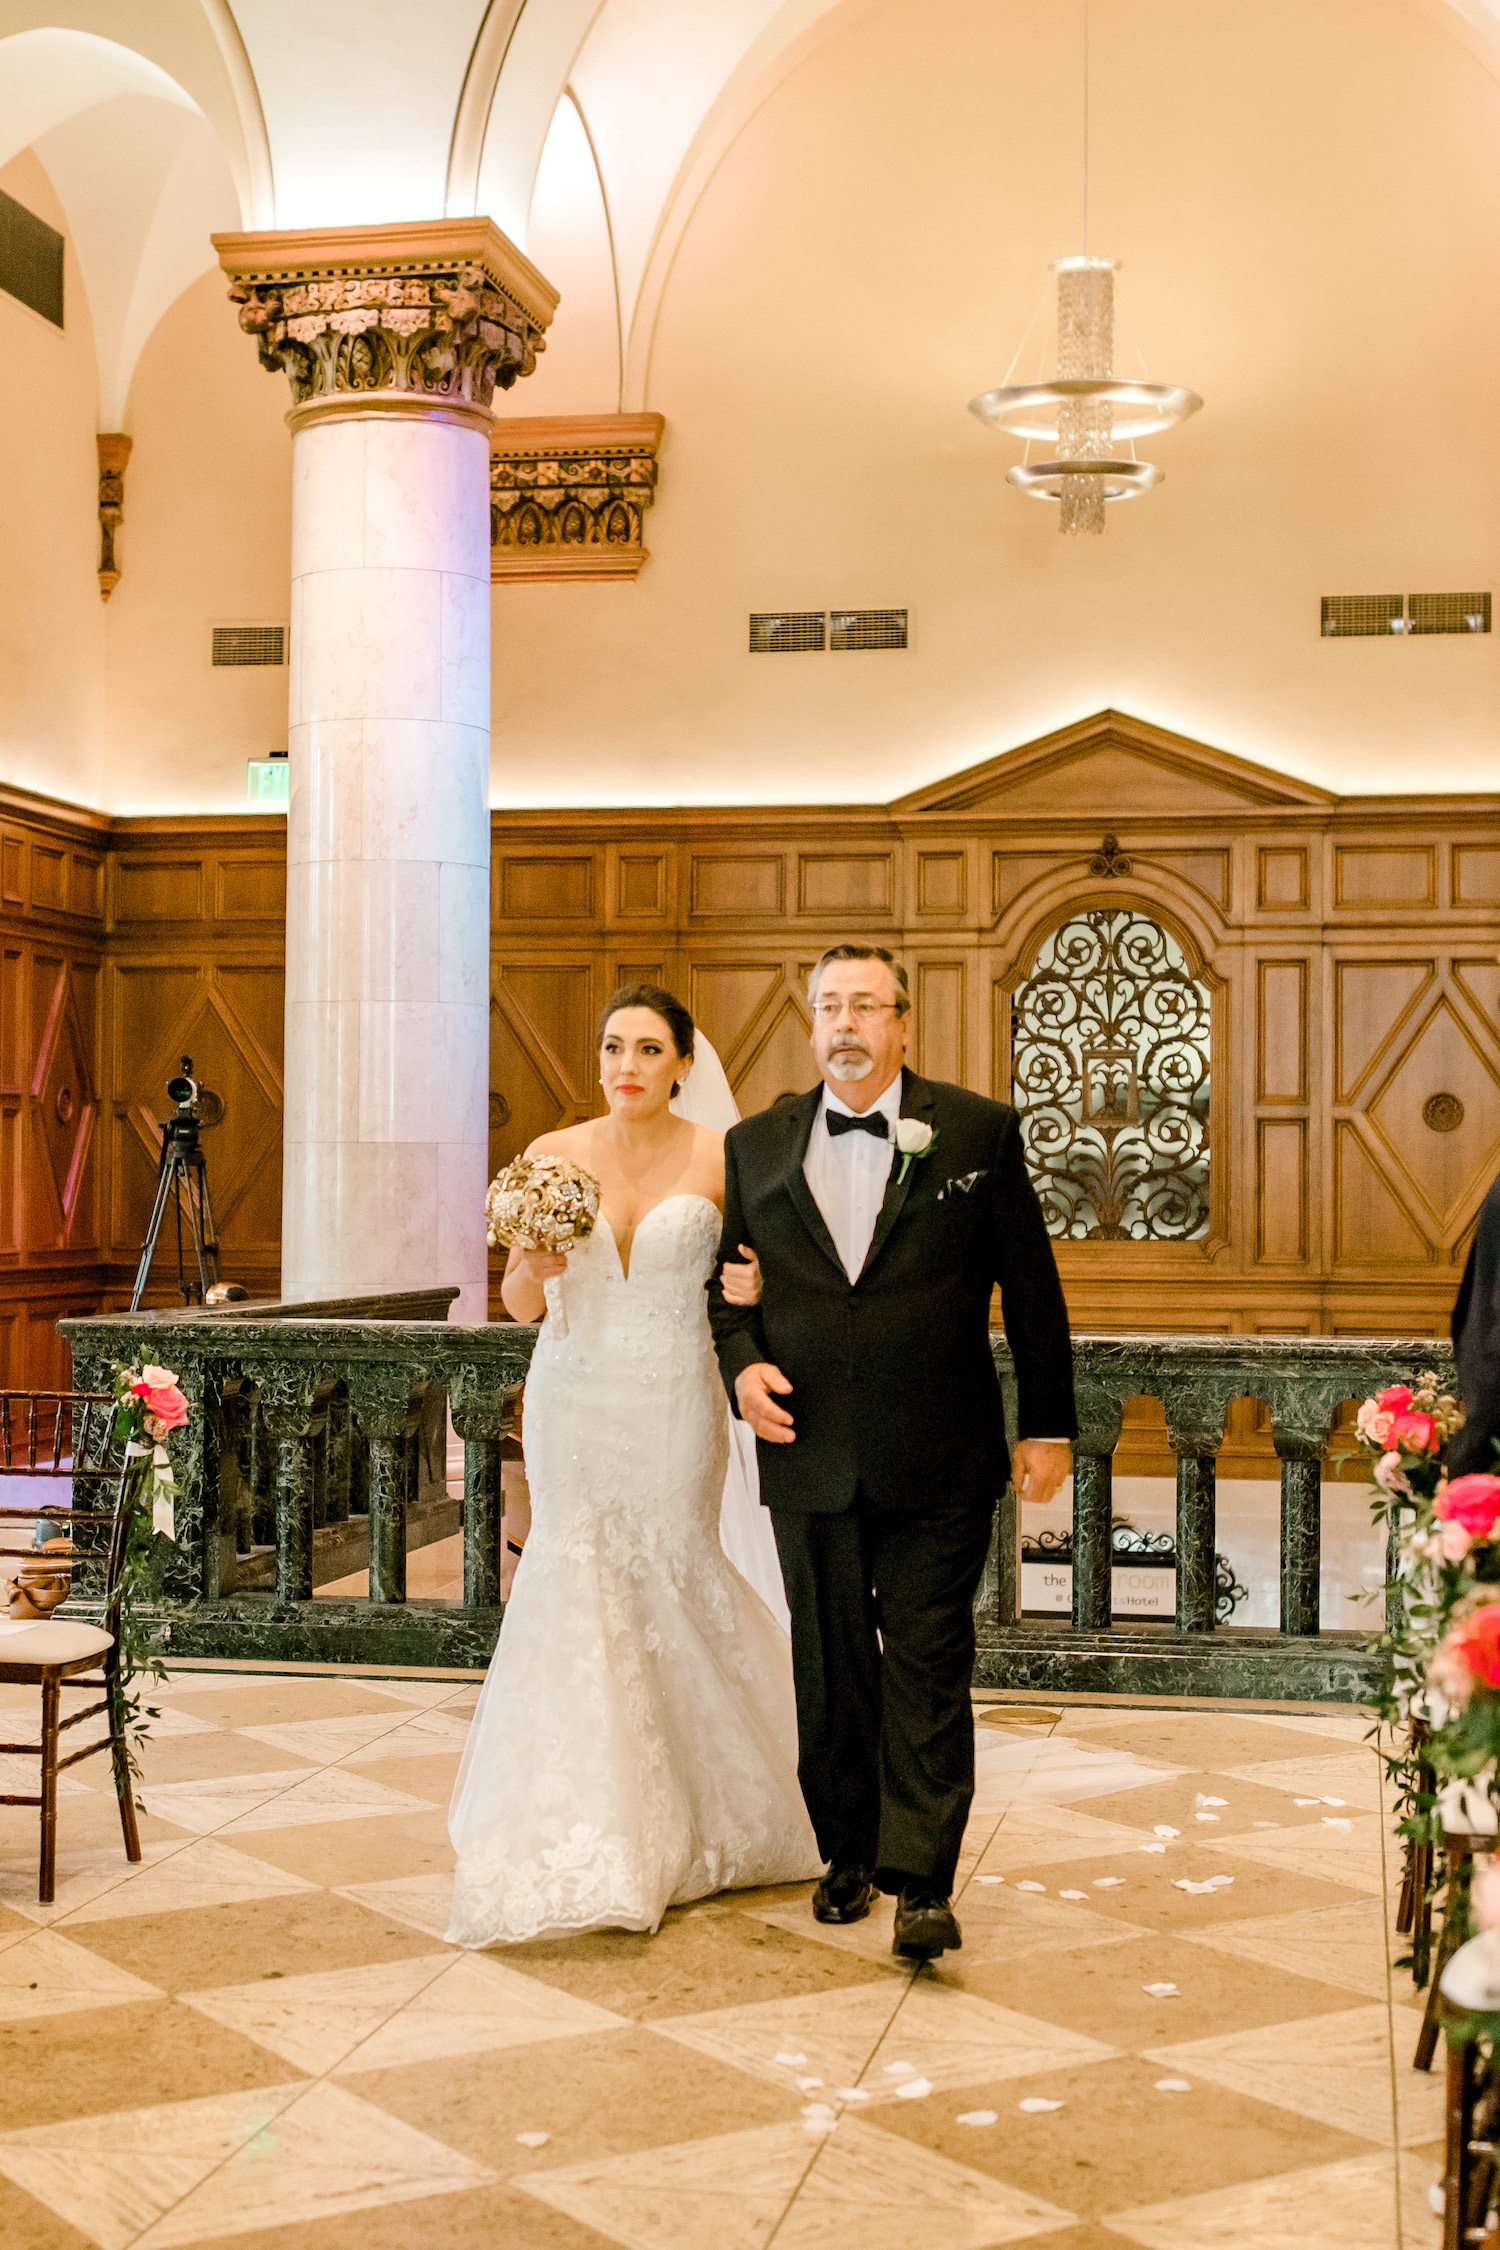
(1087, 410)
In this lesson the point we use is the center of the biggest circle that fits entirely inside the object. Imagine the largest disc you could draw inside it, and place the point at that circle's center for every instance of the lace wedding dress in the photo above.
(635, 1743)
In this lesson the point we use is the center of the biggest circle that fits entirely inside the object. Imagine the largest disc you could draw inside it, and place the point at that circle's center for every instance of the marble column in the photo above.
(393, 339)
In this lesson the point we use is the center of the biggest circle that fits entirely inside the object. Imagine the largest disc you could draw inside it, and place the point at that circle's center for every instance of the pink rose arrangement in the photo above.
(148, 1408)
(165, 1407)
(1404, 1430)
(1469, 1657)
(1468, 1510)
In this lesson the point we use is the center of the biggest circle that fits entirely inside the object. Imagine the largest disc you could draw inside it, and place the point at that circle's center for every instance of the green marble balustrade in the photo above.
(305, 1417)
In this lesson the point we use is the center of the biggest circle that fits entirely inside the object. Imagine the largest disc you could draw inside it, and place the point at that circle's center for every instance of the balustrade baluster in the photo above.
(1301, 1417)
(380, 1396)
(221, 1498)
(1196, 1443)
(338, 1455)
(1093, 1509)
(286, 1409)
(1093, 1558)
(1301, 1542)
(483, 1414)
(262, 1477)
(317, 1446)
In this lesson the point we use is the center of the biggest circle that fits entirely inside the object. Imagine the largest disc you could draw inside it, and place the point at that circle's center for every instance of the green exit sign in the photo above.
(269, 781)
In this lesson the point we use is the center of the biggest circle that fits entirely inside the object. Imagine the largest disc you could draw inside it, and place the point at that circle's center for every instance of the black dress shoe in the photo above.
(844, 1895)
(925, 1924)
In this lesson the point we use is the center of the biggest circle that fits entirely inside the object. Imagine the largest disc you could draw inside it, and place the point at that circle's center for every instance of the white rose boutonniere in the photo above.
(913, 1139)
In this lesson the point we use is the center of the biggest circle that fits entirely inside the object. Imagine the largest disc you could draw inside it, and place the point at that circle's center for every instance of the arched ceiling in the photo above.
(140, 172)
(370, 110)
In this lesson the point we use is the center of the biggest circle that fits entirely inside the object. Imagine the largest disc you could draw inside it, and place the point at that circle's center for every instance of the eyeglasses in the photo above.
(827, 1011)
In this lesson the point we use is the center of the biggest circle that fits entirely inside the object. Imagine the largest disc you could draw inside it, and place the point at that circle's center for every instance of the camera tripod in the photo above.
(183, 1178)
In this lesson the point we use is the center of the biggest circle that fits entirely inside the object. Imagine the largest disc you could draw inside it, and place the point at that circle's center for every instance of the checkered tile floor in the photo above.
(1171, 2025)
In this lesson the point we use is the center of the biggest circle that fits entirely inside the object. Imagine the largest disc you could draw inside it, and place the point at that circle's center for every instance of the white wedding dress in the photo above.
(635, 1743)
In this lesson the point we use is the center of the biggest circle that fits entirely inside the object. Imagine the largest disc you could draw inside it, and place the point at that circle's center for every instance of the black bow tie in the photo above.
(872, 1122)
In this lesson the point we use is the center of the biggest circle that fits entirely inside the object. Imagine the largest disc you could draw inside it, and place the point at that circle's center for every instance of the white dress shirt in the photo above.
(848, 1176)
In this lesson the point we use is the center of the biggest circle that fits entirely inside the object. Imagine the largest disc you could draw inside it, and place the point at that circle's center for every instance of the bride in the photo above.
(635, 1743)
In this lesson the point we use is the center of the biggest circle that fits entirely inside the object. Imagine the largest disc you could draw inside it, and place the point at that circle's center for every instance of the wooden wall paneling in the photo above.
(1281, 1190)
(50, 1077)
(1373, 995)
(541, 1049)
(1386, 876)
(13, 850)
(940, 1032)
(156, 890)
(856, 886)
(1281, 1030)
(737, 885)
(10, 1177)
(1208, 873)
(640, 883)
(1371, 1227)
(86, 885)
(1435, 1112)
(65, 1105)
(12, 1011)
(250, 886)
(1475, 874)
(1282, 878)
(549, 885)
(1011, 873)
(753, 1006)
(943, 883)
(195, 965)
(1476, 979)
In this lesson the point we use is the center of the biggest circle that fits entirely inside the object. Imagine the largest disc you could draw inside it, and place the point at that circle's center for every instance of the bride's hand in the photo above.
(539, 1266)
(742, 1284)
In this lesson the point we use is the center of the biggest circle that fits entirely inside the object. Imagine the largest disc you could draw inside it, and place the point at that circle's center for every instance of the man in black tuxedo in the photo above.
(882, 1209)
(1476, 1347)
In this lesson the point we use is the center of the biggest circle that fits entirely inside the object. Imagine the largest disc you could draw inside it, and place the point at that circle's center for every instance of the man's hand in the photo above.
(742, 1285)
(753, 1388)
(1037, 1465)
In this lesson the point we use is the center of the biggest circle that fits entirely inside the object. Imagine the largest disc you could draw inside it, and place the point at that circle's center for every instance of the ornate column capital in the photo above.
(569, 493)
(423, 317)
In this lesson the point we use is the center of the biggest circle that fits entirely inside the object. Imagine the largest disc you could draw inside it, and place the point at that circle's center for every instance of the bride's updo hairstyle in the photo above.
(661, 1003)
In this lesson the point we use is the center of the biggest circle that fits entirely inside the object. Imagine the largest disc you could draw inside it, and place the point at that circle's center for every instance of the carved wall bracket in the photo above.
(437, 311)
(569, 494)
(114, 452)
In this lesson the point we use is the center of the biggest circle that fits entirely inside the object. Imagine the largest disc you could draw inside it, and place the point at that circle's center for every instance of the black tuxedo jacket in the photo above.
(894, 1390)
(1476, 1346)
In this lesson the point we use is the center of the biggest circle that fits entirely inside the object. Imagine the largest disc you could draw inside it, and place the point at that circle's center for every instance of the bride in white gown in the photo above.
(635, 1743)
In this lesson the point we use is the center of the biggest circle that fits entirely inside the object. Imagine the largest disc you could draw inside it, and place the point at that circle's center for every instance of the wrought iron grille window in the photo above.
(1110, 1071)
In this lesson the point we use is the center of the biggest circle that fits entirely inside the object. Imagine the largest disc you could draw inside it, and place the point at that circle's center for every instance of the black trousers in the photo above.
(885, 1726)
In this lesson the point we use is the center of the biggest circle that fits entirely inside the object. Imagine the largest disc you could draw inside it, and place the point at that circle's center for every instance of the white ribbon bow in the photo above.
(163, 1486)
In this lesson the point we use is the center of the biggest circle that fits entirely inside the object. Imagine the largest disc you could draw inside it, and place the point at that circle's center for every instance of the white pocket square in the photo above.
(965, 1183)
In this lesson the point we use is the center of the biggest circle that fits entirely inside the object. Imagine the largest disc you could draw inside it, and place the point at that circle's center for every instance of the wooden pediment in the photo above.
(1109, 768)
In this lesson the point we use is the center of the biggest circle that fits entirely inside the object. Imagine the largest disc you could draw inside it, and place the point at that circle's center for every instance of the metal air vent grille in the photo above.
(867, 628)
(1448, 613)
(780, 632)
(1352, 615)
(249, 644)
(31, 260)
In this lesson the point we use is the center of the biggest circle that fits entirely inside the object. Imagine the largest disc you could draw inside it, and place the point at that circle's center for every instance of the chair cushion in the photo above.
(49, 1640)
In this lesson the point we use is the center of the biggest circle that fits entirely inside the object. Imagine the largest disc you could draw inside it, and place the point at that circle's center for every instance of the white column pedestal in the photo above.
(388, 850)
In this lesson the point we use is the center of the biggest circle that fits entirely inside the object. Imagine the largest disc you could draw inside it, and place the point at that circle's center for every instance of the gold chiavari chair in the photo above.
(68, 1435)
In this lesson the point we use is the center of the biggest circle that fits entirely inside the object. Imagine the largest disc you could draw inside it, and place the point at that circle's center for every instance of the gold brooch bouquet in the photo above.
(543, 1203)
